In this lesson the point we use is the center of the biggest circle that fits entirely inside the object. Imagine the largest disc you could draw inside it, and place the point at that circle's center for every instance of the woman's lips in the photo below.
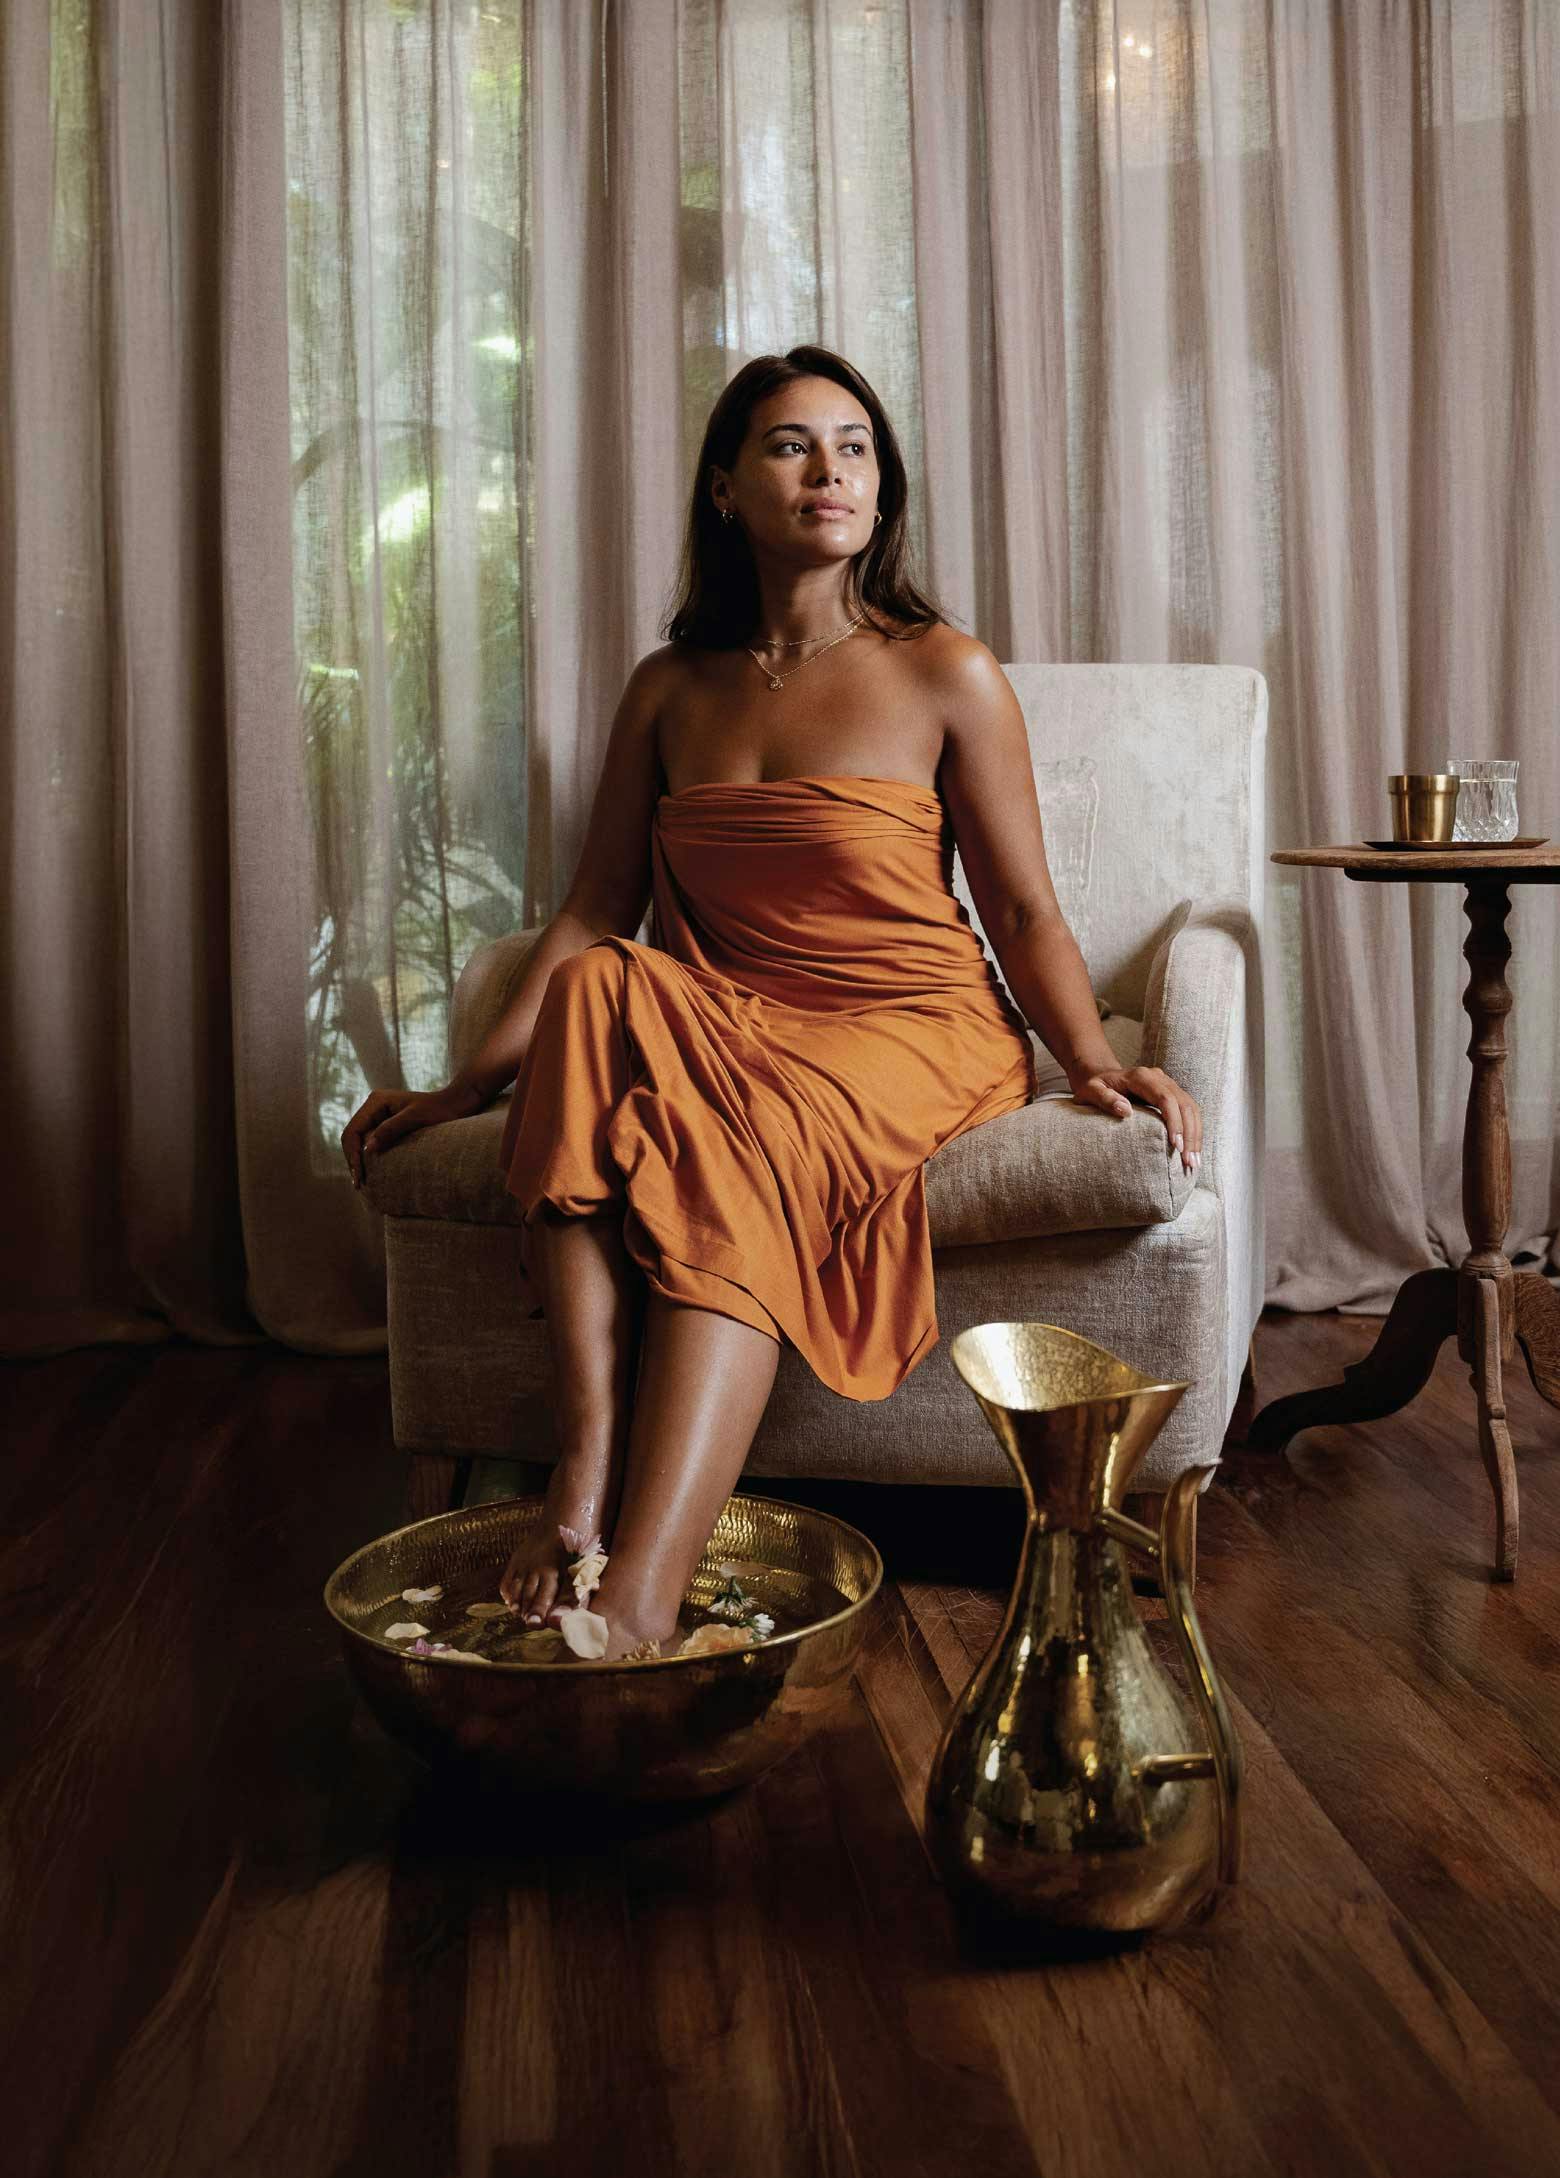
(826, 510)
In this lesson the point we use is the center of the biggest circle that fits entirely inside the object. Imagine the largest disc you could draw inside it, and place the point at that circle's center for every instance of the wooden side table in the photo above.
(1491, 1307)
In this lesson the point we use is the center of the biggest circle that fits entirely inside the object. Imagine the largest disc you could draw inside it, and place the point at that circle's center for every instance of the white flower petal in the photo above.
(585, 1574)
(407, 1630)
(421, 1595)
(585, 1632)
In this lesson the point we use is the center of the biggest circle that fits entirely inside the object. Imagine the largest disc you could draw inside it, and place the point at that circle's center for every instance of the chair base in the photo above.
(470, 1376)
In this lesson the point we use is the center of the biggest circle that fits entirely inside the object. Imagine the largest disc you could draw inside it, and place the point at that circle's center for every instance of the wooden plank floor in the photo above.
(245, 1936)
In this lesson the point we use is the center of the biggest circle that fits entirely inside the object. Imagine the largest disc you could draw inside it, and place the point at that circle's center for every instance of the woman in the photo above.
(718, 1141)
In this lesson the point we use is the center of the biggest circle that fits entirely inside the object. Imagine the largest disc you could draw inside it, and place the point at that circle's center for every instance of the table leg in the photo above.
(1538, 1332)
(1487, 1300)
(1484, 1302)
(1485, 1375)
(1422, 1317)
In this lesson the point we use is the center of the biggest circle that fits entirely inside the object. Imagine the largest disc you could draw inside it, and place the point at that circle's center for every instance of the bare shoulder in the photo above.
(660, 671)
(960, 662)
(975, 701)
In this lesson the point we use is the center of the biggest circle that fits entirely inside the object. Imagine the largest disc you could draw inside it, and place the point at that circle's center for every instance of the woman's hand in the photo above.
(1111, 1087)
(386, 1114)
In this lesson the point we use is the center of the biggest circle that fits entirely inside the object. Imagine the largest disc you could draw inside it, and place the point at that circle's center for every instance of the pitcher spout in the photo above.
(1074, 1419)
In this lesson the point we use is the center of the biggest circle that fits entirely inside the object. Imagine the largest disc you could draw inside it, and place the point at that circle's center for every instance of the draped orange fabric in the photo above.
(762, 1086)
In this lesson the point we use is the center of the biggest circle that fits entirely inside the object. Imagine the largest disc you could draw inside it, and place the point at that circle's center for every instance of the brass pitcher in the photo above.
(1075, 1785)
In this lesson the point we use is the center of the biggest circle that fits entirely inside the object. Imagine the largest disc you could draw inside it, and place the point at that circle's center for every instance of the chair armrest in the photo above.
(1202, 1022)
(484, 988)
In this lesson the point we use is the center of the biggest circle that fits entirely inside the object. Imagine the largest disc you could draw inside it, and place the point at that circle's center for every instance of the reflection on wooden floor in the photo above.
(245, 1936)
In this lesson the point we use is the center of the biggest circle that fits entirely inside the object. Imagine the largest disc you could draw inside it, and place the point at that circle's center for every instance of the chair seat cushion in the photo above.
(1057, 1166)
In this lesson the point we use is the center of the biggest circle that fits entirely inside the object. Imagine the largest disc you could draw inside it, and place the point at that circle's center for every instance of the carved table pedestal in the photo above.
(1490, 1307)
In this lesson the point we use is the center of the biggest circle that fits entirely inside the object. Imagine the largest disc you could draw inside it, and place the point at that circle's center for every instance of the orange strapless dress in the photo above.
(762, 1085)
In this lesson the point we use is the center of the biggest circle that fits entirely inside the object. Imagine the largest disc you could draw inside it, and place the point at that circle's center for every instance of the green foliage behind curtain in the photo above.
(412, 267)
(409, 352)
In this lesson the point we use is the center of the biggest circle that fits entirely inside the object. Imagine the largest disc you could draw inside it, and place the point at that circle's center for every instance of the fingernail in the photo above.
(1177, 1140)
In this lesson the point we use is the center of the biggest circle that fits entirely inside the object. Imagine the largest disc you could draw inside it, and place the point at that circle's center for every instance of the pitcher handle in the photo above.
(1177, 1541)
(1172, 1551)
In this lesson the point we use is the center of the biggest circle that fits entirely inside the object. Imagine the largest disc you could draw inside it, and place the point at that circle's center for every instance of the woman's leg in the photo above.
(593, 1296)
(704, 1381)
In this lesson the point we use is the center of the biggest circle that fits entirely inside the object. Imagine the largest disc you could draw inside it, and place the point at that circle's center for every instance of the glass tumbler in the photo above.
(1486, 797)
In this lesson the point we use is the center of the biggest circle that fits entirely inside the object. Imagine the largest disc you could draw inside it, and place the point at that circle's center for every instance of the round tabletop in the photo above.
(1512, 865)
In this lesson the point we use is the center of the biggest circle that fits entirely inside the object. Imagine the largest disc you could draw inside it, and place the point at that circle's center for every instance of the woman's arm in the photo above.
(608, 895)
(496, 1061)
(611, 885)
(988, 783)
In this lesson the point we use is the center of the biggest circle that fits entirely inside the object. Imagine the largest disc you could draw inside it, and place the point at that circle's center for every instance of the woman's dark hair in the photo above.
(718, 601)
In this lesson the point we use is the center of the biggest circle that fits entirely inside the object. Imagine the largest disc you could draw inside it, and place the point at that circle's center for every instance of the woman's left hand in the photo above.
(1111, 1088)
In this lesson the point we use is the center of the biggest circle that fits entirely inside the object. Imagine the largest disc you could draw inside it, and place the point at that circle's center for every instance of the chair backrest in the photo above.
(1152, 788)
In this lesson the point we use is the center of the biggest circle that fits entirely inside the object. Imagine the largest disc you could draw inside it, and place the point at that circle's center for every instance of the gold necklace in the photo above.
(778, 680)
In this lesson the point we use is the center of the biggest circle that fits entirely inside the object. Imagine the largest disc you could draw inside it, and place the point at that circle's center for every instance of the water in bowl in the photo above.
(472, 1616)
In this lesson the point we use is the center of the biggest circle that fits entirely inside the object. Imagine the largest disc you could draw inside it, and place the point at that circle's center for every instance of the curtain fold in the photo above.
(353, 355)
(314, 1250)
(120, 1183)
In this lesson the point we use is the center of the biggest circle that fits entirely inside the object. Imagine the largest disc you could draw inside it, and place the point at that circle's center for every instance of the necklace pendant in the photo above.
(773, 682)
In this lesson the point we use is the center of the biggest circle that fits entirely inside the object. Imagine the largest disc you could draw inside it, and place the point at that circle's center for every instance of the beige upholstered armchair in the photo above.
(1150, 781)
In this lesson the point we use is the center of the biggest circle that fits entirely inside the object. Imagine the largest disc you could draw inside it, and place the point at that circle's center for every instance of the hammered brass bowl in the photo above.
(678, 1728)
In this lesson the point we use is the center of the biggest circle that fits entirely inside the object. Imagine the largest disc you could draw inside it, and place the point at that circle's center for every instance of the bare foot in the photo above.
(623, 1640)
(633, 1620)
(533, 1582)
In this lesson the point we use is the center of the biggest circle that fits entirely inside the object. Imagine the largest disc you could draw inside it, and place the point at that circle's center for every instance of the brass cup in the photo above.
(1424, 805)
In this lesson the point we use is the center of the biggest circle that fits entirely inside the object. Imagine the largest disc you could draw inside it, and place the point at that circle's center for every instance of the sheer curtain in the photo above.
(353, 356)
(1313, 335)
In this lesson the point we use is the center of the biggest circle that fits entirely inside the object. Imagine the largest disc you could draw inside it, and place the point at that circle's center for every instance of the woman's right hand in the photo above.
(387, 1114)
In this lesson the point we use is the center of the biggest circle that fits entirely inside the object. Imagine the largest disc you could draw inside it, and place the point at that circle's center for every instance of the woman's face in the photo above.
(808, 444)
